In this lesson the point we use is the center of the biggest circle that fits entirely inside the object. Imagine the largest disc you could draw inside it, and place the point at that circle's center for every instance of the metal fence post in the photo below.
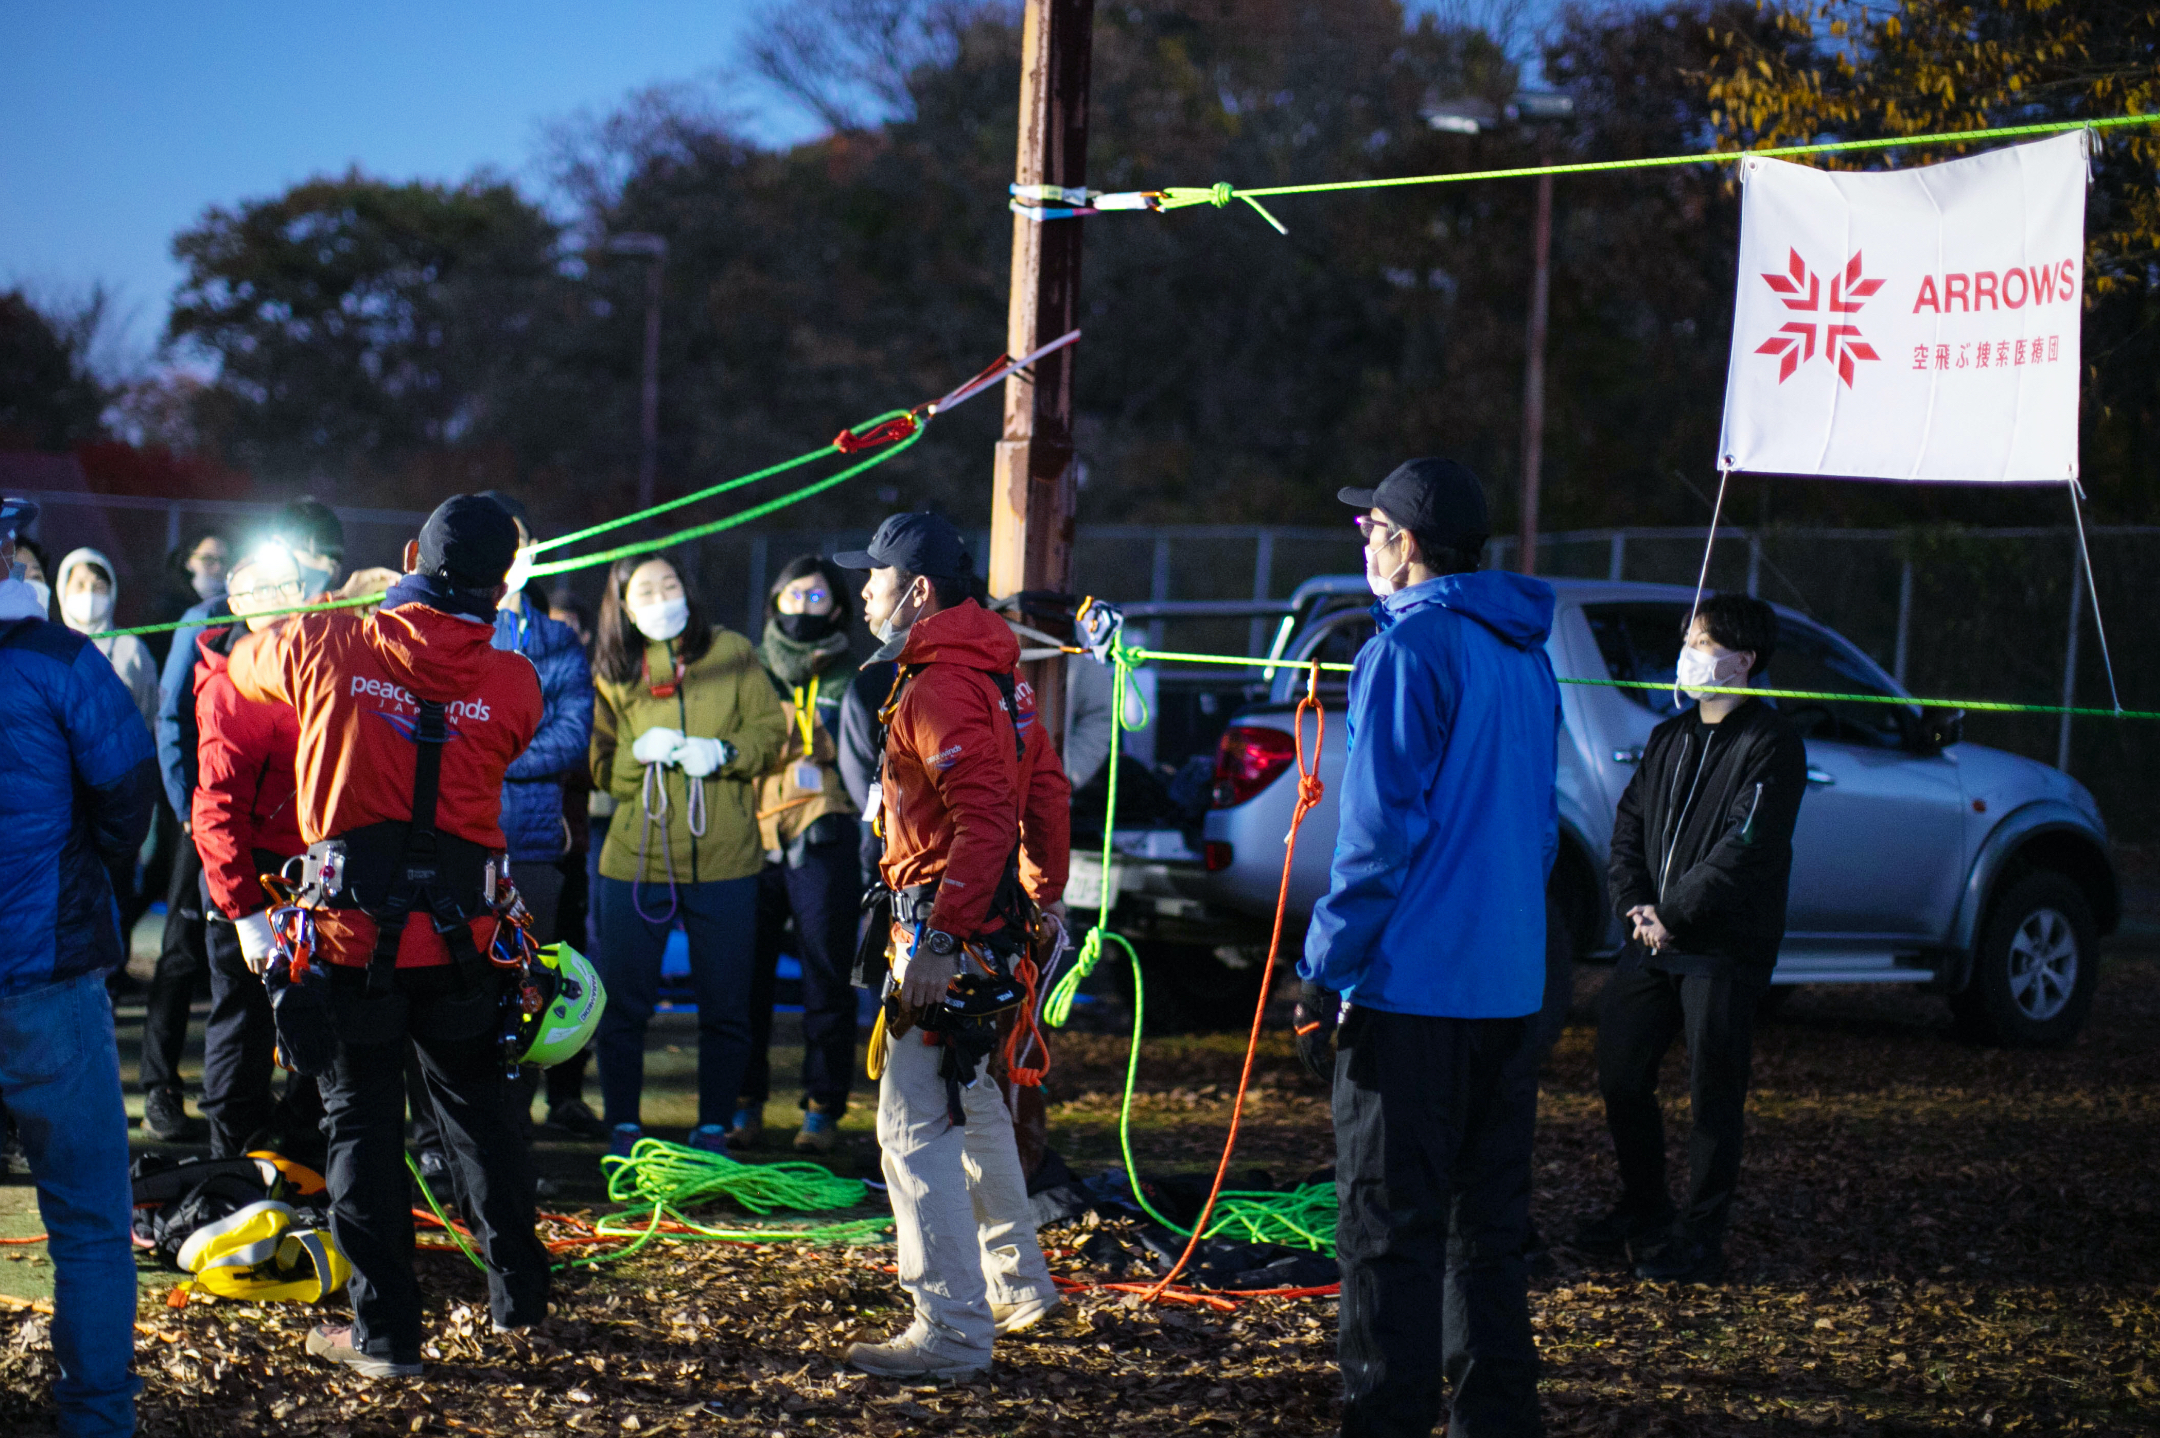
(1262, 578)
(1754, 564)
(754, 604)
(1618, 564)
(1904, 623)
(1159, 584)
(2070, 661)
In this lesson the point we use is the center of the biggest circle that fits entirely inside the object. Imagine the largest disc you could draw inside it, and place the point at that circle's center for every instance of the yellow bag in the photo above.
(255, 1253)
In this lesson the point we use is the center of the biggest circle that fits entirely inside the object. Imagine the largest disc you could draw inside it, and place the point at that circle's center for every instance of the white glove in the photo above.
(699, 757)
(657, 746)
(256, 945)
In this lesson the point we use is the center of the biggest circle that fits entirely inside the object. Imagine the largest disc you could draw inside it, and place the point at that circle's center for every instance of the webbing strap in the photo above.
(416, 864)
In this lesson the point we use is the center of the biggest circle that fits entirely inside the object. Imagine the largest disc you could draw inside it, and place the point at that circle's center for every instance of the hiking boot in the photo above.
(1682, 1258)
(1017, 1317)
(916, 1354)
(711, 1138)
(576, 1118)
(820, 1131)
(165, 1115)
(333, 1341)
(746, 1129)
(623, 1138)
(1616, 1234)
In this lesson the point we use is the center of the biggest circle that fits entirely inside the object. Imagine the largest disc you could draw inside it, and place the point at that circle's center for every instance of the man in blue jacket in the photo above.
(1430, 947)
(78, 784)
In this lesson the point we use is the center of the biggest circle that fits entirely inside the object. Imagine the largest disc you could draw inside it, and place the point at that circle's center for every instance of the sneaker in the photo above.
(820, 1131)
(916, 1354)
(1616, 1234)
(1682, 1258)
(1015, 1317)
(747, 1128)
(165, 1115)
(334, 1342)
(710, 1138)
(623, 1138)
(576, 1118)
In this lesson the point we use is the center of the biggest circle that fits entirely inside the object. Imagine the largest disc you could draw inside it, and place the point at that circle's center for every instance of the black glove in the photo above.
(1317, 1010)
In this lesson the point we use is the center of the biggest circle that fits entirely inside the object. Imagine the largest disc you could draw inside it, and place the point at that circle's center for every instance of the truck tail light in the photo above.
(1249, 759)
(1217, 855)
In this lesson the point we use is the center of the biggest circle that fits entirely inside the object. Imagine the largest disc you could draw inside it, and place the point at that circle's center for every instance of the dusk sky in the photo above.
(123, 122)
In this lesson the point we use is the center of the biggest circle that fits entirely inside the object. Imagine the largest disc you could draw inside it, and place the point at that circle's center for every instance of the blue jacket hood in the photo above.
(1514, 606)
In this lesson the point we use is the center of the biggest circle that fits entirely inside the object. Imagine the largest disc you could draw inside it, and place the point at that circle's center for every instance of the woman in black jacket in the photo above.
(1700, 862)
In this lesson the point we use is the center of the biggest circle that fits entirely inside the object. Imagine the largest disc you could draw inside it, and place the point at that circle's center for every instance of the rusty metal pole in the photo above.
(1033, 493)
(1533, 424)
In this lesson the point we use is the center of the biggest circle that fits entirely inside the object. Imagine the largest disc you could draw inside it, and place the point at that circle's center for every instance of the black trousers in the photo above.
(1642, 1012)
(183, 971)
(239, 1056)
(1433, 1126)
(824, 894)
(452, 1029)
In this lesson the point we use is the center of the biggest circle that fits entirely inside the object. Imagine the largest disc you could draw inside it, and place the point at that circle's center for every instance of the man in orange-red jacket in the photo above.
(408, 718)
(974, 809)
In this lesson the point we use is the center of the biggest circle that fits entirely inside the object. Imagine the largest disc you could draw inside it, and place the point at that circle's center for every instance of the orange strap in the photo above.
(1309, 792)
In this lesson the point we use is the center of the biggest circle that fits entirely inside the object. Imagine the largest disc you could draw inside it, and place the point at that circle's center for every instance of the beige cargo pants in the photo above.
(959, 1201)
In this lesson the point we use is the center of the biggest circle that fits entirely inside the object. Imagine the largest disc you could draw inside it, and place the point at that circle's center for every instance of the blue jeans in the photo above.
(60, 1078)
(720, 919)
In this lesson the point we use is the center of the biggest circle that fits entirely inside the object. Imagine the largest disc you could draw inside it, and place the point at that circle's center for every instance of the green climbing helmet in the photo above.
(559, 1005)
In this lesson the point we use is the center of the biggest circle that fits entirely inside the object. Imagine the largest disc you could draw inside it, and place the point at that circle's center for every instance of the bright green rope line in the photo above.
(661, 1172)
(723, 487)
(1178, 197)
(1984, 706)
(222, 619)
(758, 511)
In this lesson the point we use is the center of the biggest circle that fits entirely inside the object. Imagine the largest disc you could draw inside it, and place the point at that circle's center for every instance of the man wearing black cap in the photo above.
(409, 718)
(971, 803)
(1430, 948)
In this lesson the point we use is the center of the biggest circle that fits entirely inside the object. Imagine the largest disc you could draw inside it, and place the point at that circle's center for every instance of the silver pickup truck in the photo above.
(1919, 858)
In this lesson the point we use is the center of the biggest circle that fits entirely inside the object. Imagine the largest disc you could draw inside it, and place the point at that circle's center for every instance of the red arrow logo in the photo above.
(1800, 288)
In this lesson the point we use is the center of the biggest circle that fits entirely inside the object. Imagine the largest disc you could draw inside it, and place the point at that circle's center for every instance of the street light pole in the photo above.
(1473, 116)
(654, 247)
(1533, 439)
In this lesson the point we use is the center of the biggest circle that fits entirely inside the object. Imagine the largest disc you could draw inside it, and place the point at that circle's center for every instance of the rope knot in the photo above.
(1309, 790)
(1222, 193)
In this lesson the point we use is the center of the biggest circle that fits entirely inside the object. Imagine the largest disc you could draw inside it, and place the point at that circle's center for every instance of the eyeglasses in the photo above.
(1376, 531)
(812, 596)
(267, 593)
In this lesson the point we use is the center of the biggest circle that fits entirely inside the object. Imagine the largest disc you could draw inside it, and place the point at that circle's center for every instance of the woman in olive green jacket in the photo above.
(684, 723)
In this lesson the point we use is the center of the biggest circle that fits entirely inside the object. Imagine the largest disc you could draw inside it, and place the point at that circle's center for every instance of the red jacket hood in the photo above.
(966, 634)
(435, 655)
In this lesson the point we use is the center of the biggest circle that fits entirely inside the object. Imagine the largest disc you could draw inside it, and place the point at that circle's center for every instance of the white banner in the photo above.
(1910, 324)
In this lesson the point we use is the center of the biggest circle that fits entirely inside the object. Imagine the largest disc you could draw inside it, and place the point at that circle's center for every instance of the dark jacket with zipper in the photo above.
(1704, 835)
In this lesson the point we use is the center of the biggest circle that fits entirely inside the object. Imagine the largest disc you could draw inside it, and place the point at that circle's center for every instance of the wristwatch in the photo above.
(942, 944)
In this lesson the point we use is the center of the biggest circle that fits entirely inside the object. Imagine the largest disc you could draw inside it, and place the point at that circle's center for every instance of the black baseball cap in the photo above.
(1438, 500)
(919, 543)
(468, 540)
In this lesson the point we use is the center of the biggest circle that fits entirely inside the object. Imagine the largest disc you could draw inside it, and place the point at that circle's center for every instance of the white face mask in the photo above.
(314, 581)
(661, 621)
(207, 585)
(900, 620)
(1382, 585)
(43, 591)
(86, 607)
(1699, 670)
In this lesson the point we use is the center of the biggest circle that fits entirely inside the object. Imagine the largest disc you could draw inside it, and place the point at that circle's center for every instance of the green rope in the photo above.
(441, 1217)
(661, 1172)
(668, 506)
(1984, 706)
(1179, 197)
(214, 622)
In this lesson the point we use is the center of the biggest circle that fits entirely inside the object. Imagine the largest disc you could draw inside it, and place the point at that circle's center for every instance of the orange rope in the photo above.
(1309, 792)
(1026, 1033)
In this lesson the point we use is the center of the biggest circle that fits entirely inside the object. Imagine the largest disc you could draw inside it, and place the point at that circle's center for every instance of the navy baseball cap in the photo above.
(468, 540)
(17, 514)
(919, 543)
(1435, 499)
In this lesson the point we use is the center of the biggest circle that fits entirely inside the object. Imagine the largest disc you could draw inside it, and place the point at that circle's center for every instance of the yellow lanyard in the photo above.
(806, 714)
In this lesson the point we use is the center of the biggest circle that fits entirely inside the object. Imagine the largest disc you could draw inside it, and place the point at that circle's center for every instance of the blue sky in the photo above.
(123, 122)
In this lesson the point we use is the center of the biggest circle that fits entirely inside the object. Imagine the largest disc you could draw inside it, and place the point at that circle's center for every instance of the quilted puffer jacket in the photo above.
(532, 807)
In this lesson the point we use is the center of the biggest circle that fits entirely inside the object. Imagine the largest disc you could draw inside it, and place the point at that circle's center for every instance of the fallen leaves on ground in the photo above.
(1931, 1238)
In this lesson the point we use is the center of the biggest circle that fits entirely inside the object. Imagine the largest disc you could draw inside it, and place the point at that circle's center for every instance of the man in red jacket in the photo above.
(245, 821)
(408, 718)
(974, 804)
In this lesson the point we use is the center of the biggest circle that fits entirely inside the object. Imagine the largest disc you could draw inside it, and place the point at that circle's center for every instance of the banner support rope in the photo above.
(2093, 589)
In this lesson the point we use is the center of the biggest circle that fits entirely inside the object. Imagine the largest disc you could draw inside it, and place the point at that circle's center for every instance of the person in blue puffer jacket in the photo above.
(532, 812)
(78, 784)
(1430, 947)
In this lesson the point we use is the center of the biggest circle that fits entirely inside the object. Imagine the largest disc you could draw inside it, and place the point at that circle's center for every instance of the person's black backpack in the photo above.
(174, 1198)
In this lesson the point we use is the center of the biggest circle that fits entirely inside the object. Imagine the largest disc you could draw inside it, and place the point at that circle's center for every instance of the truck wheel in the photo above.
(2035, 969)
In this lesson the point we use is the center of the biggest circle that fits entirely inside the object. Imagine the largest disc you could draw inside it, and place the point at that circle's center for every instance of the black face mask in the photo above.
(805, 628)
